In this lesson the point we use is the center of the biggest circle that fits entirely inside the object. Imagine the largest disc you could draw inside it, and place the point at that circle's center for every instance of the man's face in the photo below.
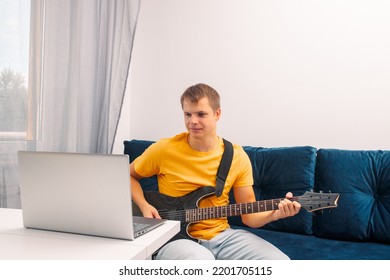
(200, 119)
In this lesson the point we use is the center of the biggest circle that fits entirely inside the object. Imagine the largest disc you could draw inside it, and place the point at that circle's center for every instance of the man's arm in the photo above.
(286, 209)
(138, 197)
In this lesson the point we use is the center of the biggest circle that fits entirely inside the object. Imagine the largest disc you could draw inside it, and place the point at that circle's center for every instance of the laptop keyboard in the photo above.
(140, 226)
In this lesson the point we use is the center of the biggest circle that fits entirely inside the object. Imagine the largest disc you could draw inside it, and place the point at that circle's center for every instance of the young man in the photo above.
(189, 161)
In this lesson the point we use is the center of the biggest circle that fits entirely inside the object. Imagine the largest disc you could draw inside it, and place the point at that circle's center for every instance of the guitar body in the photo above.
(164, 202)
(173, 208)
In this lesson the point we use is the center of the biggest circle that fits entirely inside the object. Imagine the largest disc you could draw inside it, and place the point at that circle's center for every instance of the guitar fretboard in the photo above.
(198, 214)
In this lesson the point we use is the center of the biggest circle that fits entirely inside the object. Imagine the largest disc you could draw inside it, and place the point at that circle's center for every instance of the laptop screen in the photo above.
(76, 193)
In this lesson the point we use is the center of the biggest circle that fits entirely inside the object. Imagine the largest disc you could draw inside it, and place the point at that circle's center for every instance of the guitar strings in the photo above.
(197, 214)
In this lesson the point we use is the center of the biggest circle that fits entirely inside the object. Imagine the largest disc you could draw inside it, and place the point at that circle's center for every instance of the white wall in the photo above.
(292, 72)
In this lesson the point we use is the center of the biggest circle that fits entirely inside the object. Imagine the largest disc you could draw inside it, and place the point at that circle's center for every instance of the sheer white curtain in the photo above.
(85, 61)
(80, 54)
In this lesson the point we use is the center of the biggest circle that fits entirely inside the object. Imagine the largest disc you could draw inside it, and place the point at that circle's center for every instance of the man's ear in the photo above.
(217, 114)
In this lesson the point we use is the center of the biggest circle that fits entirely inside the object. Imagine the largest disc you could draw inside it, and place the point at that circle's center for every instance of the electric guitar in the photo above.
(185, 208)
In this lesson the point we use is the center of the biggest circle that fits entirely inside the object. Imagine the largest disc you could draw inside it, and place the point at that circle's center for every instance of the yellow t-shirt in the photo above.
(181, 170)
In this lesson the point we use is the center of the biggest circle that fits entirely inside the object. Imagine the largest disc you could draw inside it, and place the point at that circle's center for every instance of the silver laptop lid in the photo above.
(76, 193)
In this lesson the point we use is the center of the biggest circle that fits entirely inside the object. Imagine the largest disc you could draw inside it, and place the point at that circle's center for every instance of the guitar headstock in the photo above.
(313, 201)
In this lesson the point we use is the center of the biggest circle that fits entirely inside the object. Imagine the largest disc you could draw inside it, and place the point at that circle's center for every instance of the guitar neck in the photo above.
(198, 214)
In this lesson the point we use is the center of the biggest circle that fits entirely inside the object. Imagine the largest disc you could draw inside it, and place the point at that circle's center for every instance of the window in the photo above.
(14, 65)
(14, 58)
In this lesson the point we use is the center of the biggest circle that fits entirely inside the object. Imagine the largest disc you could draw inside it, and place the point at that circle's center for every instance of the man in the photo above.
(189, 161)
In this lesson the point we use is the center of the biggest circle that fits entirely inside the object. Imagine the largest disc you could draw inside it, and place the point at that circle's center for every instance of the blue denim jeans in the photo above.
(232, 244)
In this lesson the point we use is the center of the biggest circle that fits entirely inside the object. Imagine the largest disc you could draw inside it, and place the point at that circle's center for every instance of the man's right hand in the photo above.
(149, 211)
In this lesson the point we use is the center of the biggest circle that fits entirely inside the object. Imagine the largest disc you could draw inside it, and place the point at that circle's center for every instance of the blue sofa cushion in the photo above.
(303, 247)
(277, 171)
(363, 180)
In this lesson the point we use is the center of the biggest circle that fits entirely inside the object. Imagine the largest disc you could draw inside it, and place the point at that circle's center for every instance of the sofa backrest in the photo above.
(363, 180)
(277, 171)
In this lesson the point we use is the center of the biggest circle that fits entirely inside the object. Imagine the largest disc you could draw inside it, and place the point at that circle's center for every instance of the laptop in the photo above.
(79, 193)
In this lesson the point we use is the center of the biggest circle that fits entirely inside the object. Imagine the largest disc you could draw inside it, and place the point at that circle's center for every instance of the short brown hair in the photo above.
(196, 92)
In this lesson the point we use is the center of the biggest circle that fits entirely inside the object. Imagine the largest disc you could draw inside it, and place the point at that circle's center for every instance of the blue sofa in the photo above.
(359, 228)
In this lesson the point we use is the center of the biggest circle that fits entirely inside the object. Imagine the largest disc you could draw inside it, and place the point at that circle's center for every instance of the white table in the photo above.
(17, 242)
